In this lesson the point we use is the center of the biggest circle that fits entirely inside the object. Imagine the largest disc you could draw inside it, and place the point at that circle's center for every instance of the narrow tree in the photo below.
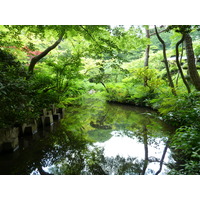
(178, 63)
(146, 61)
(194, 75)
(171, 84)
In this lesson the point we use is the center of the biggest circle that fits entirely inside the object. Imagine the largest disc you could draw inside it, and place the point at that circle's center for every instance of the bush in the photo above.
(21, 97)
(15, 96)
(186, 147)
(179, 110)
(117, 92)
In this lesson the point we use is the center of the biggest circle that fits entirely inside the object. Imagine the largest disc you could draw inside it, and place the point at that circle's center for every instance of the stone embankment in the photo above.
(9, 138)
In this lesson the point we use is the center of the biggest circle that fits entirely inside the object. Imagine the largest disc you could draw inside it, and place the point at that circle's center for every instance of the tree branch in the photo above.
(89, 35)
(35, 59)
(158, 32)
(100, 46)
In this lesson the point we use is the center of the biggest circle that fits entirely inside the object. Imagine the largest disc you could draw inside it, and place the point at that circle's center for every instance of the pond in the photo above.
(95, 138)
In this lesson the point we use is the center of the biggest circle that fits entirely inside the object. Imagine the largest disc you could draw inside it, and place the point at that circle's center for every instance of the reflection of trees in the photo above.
(146, 157)
(96, 164)
(145, 141)
(93, 162)
(145, 130)
(162, 159)
(100, 135)
(100, 122)
(122, 166)
(83, 162)
(67, 150)
(100, 125)
(49, 150)
(142, 127)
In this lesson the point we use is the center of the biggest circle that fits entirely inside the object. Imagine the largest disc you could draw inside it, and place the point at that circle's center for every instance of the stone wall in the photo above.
(9, 139)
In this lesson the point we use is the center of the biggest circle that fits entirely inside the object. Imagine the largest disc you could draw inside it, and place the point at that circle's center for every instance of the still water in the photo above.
(95, 138)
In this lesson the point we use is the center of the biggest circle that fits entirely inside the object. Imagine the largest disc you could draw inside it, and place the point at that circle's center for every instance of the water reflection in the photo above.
(124, 149)
(127, 140)
(97, 138)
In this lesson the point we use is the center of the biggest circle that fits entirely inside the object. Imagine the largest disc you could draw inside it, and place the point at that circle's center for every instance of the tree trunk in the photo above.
(146, 61)
(194, 75)
(179, 66)
(35, 59)
(171, 84)
(104, 86)
(179, 62)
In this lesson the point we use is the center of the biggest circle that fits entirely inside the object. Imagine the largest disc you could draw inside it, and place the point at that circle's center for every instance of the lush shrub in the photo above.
(186, 147)
(117, 93)
(133, 89)
(15, 96)
(22, 97)
(179, 110)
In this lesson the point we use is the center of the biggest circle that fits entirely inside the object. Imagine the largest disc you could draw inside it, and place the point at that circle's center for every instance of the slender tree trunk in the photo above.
(194, 75)
(146, 61)
(35, 59)
(146, 159)
(104, 86)
(162, 159)
(179, 66)
(171, 84)
(180, 62)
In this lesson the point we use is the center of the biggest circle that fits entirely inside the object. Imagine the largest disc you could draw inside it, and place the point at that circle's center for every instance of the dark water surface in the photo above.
(95, 138)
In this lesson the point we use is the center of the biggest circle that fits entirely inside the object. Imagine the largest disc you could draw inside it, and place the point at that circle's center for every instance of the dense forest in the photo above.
(145, 66)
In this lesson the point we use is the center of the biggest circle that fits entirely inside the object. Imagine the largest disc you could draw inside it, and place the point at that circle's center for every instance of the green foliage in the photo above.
(117, 92)
(186, 145)
(23, 98)
(15, 96)
(196, 45)
(180, 110)
(187, 139)
(132, 89)
(180, 28)
(156, 45)
(44, 95)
